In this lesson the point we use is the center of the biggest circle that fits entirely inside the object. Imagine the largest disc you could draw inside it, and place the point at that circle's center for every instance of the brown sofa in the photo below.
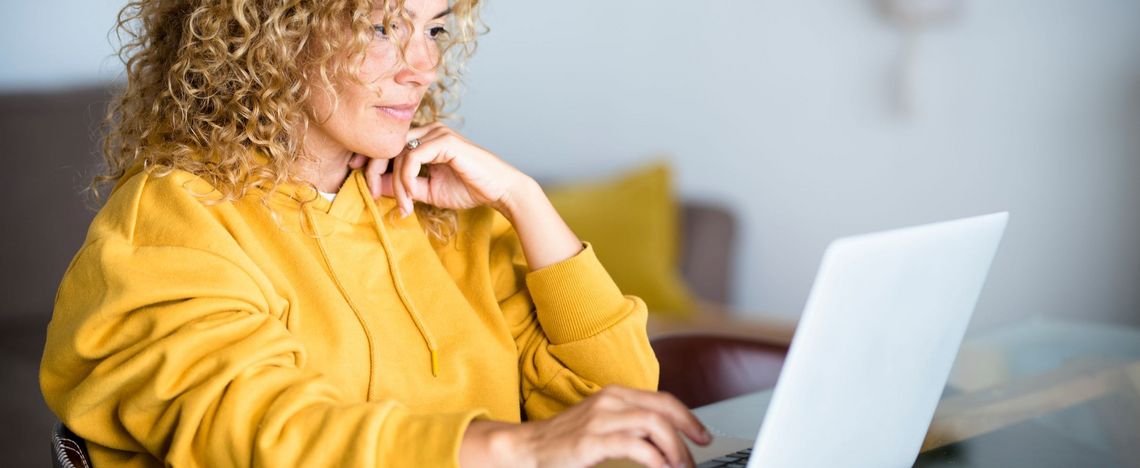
(50, 140)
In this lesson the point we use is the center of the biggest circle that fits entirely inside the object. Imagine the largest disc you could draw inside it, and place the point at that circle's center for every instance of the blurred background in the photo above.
(784, 110)
(806, 119)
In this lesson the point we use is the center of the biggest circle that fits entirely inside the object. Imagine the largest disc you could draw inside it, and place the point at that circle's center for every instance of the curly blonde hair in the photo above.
(212, 83)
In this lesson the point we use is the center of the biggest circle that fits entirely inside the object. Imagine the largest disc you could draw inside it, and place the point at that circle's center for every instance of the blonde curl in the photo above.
(212, 84)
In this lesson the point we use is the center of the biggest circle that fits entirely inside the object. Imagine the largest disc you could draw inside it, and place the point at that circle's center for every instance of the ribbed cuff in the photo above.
(429, 439)
(575, 298)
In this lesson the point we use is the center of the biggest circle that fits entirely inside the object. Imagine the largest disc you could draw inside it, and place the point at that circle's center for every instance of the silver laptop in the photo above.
(873, 349)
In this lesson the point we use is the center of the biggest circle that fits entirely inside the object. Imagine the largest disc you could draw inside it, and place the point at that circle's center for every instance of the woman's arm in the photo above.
(577, 336)
(172, 352)
(545, 237)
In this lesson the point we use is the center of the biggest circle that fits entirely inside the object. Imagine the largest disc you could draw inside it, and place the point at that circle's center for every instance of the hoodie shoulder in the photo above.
(149, 209)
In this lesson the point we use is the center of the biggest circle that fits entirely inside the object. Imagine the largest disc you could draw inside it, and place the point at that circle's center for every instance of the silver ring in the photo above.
(415, 143)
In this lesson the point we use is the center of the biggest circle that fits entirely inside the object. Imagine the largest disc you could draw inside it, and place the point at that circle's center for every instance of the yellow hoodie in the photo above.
(310, 333)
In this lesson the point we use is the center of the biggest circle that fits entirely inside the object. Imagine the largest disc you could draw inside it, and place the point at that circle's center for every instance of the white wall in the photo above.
(782, 109)
(46, 44)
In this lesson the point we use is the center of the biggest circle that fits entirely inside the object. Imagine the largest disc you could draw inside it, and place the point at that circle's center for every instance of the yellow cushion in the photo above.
(632, 223)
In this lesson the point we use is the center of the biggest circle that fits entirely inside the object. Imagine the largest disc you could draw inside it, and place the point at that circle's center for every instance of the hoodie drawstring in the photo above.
(312, 222)
(397, 278)
(400, 289)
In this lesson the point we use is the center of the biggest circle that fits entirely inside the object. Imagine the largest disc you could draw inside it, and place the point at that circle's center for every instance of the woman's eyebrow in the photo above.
(437, 16)
(442, 14)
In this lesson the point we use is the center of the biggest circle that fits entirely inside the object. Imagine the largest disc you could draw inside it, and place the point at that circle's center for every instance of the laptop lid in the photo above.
(875, 344)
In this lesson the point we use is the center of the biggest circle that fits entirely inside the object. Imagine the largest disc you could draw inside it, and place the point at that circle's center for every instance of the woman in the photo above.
(260, 287)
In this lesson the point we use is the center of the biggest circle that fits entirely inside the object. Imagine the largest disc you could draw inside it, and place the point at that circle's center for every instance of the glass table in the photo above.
(1040, 393)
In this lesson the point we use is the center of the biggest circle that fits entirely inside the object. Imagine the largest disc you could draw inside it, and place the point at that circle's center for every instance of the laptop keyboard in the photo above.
(732, 460)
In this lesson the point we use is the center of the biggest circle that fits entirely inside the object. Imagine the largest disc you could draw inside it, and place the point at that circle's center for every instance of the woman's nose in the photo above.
(420, 60)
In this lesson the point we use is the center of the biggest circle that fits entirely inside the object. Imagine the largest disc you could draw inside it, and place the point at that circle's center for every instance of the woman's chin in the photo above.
(383, 152)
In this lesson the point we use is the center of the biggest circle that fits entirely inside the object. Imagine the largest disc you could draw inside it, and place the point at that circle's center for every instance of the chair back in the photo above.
(708, 244)
(67, 449)
(703, 368)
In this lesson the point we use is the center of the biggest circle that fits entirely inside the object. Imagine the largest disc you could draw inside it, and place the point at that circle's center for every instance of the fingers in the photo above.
(668, 406)
(651, 425)
(431, 150)
(407, 176)
(622, 445)
(473, 176)
(398, 188)
(375, 168)
(357, 161)
(418, 190)
(419, 132)
(372, 174)
(616, 423)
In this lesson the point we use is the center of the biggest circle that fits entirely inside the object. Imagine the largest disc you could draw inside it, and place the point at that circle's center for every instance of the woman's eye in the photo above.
(437, 32)
(383, 31)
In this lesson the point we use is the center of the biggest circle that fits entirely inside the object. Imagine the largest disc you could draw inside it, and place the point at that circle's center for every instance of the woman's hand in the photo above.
(617, 422)
(460, 174)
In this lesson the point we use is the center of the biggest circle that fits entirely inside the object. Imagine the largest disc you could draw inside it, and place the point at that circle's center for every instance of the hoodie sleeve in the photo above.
(174, 352)
(574, 330)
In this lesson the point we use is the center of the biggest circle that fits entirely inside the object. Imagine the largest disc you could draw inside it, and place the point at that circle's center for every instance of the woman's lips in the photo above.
(400, 112)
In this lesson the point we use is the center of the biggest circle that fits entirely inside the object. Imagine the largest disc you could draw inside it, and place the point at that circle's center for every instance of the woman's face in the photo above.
(375, 124)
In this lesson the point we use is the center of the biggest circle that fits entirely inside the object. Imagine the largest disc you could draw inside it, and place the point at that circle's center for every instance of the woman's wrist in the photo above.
(493, 443)
(523, 192)
(545, 237)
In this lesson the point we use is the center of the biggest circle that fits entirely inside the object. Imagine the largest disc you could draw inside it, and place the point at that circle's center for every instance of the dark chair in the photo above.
(67, 449)
(707, 247)
(704, 368)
